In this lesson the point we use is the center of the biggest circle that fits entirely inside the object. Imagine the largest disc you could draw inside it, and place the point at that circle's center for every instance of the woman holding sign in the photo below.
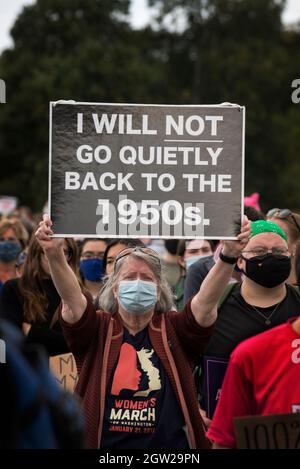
(135, 359)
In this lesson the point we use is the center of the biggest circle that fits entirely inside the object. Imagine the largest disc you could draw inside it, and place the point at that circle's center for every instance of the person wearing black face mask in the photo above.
(263, 299)
(268, 269)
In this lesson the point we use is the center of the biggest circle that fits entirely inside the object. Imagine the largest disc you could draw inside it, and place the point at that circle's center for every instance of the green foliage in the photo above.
(65, 49)
(230, 50)
(238, 51)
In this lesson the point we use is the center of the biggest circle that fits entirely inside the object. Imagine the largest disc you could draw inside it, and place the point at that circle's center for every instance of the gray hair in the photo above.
(106, 300)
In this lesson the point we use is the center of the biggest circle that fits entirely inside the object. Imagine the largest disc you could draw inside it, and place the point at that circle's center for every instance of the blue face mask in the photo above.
(9, 251)
(137, 296)
(191, 260)
(92, 269)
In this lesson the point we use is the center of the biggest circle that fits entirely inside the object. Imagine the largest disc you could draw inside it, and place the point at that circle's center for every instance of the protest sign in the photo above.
(8, 204)
(214, 372)
(64, 370)
(280, 431)
(128, 170)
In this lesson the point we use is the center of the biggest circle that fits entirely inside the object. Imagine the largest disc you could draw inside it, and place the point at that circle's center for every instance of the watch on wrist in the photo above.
(227, 259)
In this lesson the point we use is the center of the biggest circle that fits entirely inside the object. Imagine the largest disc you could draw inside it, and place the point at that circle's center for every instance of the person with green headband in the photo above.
(261, 301)
(266, 226)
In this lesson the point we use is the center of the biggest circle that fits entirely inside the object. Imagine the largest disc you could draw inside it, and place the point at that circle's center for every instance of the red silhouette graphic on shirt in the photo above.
(127, 375)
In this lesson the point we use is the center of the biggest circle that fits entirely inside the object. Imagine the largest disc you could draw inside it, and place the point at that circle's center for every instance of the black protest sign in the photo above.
(146, 170)
(281, 431)
(214, 372)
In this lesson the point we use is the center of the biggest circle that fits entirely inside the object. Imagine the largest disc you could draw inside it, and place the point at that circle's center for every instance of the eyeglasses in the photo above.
(128, 251)
(283, 213)
(261, 251)
(92, 255)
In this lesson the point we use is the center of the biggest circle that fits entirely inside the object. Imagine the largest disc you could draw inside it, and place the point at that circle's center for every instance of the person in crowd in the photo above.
(290, 223)
(262, 377)
(36, 413)
(91, 264)
(170, 263)
(25, 215)
(174, 271)
(31, 302)
(195, 276)
(158, 245)
(199, 269)
(12, 229)
(189, 252)
(261, 301)
(9, 252)
(135, 358)
(197, 249)
(13, 239)
(114, 248)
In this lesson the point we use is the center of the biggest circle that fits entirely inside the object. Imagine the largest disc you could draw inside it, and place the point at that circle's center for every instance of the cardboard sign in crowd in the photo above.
(64, 370)
(214, 372)
(281, 431)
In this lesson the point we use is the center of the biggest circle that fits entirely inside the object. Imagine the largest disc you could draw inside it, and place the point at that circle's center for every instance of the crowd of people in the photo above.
(140, 316)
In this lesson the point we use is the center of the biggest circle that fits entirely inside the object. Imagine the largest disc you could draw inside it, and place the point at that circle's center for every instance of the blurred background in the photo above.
(167, 52)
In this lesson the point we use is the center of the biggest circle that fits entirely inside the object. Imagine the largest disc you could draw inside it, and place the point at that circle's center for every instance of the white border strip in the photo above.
(50, 159)
(71, 103)
(243, 109)
(105, 235)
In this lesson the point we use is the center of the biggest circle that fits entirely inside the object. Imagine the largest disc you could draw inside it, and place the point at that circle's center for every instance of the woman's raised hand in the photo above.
(44, 236)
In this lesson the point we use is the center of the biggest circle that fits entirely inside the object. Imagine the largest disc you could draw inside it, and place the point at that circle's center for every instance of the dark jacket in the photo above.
(12, 309)
(96, 339)
(195, 276)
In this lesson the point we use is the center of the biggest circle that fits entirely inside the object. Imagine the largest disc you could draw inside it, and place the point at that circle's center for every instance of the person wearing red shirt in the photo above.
(262, 378)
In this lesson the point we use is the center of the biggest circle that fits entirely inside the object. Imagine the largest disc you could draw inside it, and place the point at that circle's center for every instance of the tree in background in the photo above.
(67, 49)
(238, 51)
(225, 50)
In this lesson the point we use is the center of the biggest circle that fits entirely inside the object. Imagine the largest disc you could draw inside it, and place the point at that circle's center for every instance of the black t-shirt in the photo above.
(237, 320)
(141, 409)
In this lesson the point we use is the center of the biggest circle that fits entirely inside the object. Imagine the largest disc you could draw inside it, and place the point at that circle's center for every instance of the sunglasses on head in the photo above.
(128, 251)
(283, 213)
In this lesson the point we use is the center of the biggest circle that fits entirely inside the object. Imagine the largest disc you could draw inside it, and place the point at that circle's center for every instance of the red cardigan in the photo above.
(96, 339)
